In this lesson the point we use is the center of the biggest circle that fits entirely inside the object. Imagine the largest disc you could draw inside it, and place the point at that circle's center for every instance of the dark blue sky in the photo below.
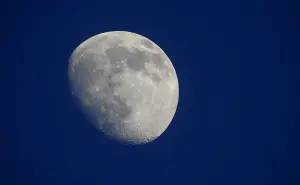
(238, 117)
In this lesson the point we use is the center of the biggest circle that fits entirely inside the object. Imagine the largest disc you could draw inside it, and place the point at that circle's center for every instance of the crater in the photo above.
(155, 77)
(158, 60)
(147, 43)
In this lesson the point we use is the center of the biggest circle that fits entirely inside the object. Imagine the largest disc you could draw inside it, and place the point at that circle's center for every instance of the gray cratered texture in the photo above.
(125, 84)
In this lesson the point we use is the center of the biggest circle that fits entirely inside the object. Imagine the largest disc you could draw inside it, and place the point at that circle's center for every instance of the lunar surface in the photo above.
(125, 84)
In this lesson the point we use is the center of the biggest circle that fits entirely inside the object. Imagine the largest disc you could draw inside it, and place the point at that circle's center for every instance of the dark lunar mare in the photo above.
(136, 60)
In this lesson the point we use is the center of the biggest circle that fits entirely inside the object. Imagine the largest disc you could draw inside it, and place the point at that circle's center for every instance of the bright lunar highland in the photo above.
(125, 84)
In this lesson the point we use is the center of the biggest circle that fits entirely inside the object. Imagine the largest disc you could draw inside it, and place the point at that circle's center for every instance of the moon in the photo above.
(125, 84)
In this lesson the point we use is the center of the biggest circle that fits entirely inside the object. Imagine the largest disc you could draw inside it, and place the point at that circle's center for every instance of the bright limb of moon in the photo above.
(125, 84)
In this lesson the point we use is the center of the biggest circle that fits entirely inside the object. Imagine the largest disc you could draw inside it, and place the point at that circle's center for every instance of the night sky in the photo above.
(238, 117)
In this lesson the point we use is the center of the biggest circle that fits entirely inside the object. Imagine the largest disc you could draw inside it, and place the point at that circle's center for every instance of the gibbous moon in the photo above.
(125, 84)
